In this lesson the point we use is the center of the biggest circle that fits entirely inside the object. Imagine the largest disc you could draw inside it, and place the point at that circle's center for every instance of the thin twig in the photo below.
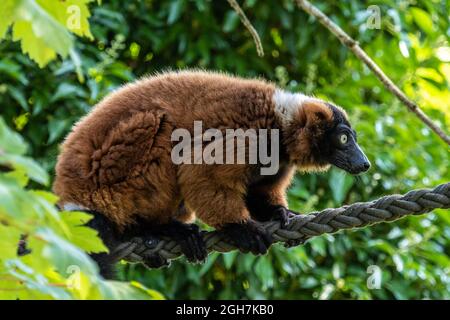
(248, 25)
(362, 55)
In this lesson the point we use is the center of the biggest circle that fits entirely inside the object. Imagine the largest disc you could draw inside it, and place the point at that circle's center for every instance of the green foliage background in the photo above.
(128, 40)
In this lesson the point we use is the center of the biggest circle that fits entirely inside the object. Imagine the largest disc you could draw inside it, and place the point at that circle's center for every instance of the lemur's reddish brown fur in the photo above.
(117, 159)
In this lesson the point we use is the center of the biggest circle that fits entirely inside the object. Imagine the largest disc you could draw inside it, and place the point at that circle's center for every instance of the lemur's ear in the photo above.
(313, 113)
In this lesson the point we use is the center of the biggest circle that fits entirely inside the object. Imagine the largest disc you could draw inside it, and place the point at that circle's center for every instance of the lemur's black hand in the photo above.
(248, 236)
(192, 243)
(283, 214)
(188, 236)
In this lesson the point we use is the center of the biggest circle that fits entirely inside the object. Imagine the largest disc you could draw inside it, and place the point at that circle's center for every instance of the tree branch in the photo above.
(248, 25)
(362, 55)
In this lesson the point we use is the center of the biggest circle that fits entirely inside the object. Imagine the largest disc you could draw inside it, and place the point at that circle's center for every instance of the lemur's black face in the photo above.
(343, 149)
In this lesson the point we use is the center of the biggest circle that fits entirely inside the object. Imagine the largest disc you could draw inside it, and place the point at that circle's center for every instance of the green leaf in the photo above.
(87, 239)
(75, 218)
(75, 57)
(21, 121)
(19, 177)
(67, 90)
(35, 281)
(44, 205)
(73, 14)
(14, 70)
(340, 183)
(63, 254)
(41, 36)
(27, 165)
(175, 11)
(231, 21)
(115, 290)
(10, 141)
(13, 198)
(153, 294)
(8, 8)
(228, 258)
(264, 270)
(423, 19)
(209, 263)
(56, 128)
(8, 235)
(19, 96)
(35, 47)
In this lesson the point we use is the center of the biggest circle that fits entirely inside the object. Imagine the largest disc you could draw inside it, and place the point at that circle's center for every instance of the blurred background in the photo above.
(126, 40)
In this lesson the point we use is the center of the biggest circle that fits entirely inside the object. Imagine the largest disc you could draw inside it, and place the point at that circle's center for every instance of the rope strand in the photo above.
(303, 227)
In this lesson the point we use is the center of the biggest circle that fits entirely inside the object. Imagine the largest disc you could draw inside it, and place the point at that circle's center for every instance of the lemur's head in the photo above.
(317, 134)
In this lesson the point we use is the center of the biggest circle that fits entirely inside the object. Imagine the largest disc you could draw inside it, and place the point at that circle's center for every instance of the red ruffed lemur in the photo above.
(116, 162)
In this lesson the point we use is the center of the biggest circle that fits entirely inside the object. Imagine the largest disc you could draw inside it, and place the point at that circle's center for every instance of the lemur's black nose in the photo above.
(360, 167)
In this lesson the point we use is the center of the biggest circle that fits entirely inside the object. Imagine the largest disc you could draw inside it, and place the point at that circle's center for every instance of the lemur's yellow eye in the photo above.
(343, 138)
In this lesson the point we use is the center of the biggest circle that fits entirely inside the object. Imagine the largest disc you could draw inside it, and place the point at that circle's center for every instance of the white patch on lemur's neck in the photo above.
(73, 207)
(286, 103)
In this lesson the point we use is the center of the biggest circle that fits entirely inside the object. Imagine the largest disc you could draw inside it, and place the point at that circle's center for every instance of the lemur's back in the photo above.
(186, 96)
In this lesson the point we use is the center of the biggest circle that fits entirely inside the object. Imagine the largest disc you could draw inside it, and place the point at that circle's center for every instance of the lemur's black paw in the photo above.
(283, 214)
(192, 244)
(248, 236)
(190, 239)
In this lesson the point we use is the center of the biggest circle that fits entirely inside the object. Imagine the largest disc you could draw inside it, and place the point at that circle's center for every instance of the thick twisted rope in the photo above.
(303, 227)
